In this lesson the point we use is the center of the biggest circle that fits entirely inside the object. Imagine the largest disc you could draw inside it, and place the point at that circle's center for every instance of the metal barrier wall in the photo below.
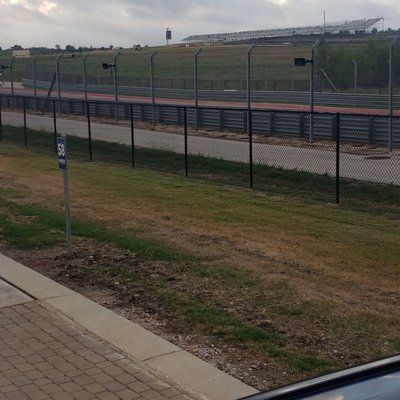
(360, 128)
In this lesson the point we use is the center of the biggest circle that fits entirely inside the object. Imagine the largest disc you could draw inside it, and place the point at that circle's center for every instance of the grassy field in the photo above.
(216, 62)
(299, 287)
(223, 67)
(270, 180)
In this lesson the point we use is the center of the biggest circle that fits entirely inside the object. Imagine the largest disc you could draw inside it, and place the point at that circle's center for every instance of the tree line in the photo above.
(370, 61)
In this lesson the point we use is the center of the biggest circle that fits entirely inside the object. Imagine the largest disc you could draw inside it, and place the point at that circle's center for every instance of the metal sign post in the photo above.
(62, 164)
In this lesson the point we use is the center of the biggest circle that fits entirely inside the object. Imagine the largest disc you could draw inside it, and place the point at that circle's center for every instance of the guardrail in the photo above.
(356, 128)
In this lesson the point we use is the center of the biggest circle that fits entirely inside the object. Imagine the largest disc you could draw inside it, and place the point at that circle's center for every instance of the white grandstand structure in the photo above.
(359, 26)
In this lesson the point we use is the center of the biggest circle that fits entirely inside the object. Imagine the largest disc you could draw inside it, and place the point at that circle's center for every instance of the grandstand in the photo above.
(360, 26)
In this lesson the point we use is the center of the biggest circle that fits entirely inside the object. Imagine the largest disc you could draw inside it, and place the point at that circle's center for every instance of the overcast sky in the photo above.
(123, 23)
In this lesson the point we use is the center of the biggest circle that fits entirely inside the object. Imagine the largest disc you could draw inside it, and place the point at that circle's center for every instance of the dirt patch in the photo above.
(82, 272)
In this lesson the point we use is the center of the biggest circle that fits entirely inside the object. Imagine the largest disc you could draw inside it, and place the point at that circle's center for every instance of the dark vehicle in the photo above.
(378, 380)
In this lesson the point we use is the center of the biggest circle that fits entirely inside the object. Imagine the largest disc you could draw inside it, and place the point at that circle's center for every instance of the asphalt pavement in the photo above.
(380, 167)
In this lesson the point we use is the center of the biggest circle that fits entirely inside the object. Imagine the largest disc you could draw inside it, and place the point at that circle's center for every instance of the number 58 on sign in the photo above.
(61, 151)
(62, 165)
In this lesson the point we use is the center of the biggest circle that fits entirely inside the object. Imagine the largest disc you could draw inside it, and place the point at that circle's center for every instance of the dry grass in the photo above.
(324, 278)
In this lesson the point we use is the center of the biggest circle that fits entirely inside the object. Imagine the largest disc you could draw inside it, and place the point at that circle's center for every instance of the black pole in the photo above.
(25, 132)
(89, 131)
(1, 124)
(132, 137)
(186, 140)
(337, 158)
(55, 125)
(250, 133)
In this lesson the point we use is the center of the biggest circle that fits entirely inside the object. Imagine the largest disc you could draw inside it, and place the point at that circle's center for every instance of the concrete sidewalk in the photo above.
(56, 344)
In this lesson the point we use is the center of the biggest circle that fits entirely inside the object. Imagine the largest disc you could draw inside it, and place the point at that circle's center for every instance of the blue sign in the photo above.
(62, 152)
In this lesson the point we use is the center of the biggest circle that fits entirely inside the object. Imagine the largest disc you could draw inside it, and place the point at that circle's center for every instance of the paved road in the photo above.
(382, 167)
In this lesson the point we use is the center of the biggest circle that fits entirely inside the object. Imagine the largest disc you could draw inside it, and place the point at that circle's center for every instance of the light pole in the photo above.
(116, 84)
(114, 68)
(168, 35)
(391, 47)
(301, 62)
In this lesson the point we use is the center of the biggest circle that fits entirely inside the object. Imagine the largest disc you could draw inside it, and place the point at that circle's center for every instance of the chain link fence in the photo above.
(348, 159)
(224, 72)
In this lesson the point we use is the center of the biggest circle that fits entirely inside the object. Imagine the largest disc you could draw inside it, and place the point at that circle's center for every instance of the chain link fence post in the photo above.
(115, 68)
(391, 47)
(153, 99)
(132, 136)
(55, 125)
(1, 122)
(186, 140)
(89, 130)
(337, 158)
(25, 128)
(250, 133)
(312, 61)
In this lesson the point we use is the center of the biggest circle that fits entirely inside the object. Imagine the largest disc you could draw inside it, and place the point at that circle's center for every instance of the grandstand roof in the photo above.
(360, 25)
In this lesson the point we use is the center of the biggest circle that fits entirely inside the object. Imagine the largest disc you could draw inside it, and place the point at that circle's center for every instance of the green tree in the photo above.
(70, 48)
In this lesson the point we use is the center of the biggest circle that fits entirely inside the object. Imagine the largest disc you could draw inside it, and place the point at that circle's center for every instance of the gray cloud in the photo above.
(125, 22)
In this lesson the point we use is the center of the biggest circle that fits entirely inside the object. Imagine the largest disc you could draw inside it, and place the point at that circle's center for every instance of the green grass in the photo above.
(222, 67)
(218, 322)
(218, 64)
(45, 227)
(396, 343)
(226, 274)
(302, 363)
(342, 239)
(28, 235)
(271, 180)
(23, 228)
(29, 226)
